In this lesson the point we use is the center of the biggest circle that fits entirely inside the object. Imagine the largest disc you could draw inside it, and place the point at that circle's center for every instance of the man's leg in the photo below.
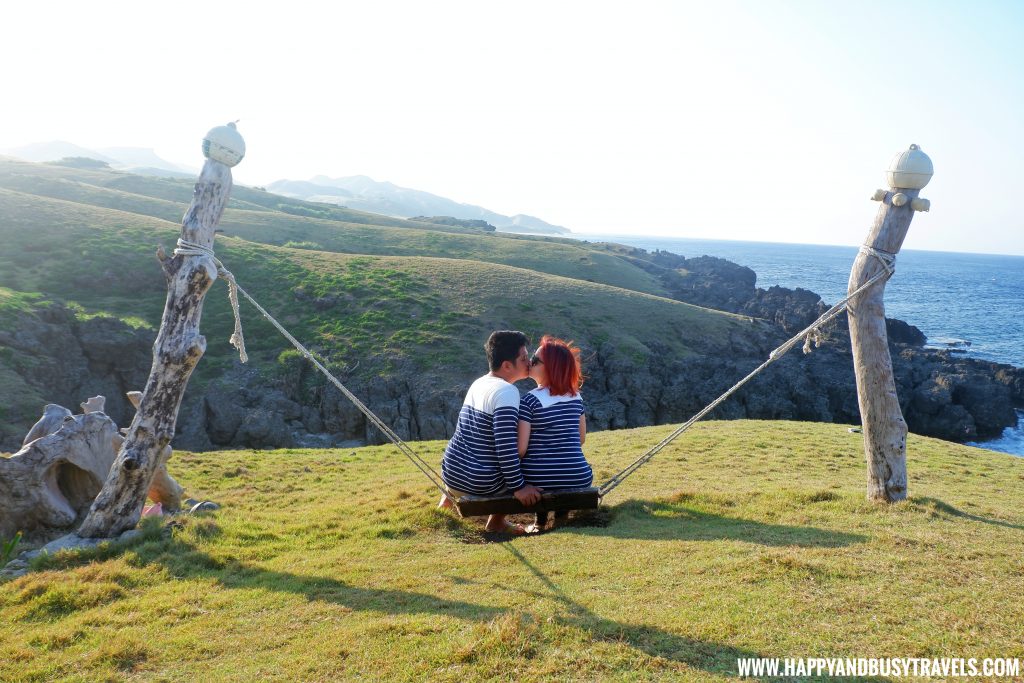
(498, 524)
(495, 523)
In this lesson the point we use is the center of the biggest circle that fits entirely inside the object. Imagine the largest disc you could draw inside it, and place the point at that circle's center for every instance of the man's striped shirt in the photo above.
(482, 456)
(554, 457)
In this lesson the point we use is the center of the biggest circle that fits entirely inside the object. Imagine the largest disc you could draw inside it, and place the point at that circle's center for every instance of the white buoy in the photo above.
(911, 169)
(224, 144)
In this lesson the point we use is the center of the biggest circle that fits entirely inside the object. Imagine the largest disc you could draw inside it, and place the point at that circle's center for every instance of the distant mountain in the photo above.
(135, 159)
(525, 223)
(366, 194)
(301, 189)
(144, 158)
(57, 149)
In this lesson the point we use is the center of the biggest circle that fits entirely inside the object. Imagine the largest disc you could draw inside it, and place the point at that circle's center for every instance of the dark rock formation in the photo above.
(948, 397)
(68, 359)
(942, 394)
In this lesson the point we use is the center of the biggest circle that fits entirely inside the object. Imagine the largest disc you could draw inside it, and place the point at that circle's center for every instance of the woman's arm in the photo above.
(524, 437)
(583, 430)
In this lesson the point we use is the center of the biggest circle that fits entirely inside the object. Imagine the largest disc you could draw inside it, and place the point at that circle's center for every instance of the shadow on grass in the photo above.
(653, 641)
(940, 507)
(712, 657)
(183, 560)
(668, 521)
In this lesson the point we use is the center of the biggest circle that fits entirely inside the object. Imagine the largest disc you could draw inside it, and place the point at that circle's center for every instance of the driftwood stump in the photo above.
(176, 351)
(52, 420)
(53, 480)
(885, 430)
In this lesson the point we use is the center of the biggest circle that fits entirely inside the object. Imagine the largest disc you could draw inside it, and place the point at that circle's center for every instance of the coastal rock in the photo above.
(943, 394)
(65, 358)
(903, 333)
(224, 415)
(790, 309)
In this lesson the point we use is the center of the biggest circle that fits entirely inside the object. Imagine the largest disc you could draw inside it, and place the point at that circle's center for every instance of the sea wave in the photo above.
(1012, 440)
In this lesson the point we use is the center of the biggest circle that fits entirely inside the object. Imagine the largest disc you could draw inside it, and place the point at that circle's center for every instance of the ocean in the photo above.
(972, 303)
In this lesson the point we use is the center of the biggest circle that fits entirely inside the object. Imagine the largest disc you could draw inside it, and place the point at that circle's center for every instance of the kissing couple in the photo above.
(506, 444)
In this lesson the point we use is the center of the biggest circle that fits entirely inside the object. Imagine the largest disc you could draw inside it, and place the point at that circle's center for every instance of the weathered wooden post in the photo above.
(885, 430)
(190, 273)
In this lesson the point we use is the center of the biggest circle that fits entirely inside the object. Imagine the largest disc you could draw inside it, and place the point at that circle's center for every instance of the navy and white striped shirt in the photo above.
(554, 457)
(482, 456)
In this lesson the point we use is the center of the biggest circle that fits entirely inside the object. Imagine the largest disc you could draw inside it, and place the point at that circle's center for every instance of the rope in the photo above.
(808, 333)
(186, 248)
(887, 258)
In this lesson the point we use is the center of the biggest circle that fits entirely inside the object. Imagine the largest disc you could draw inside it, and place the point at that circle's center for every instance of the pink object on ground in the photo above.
(154, 510)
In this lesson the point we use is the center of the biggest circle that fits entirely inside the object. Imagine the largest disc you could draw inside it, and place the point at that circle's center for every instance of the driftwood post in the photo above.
(885, 430)
(177, 349)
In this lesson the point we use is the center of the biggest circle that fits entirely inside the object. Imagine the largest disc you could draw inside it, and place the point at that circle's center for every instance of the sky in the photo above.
(761, 120)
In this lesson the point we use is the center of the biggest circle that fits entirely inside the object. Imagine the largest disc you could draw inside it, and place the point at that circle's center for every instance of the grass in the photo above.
(252, 216)
(379, 311)
(377, 297)
(742, 539)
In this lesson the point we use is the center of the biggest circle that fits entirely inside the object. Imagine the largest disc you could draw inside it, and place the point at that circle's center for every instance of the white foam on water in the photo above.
(1012, 440)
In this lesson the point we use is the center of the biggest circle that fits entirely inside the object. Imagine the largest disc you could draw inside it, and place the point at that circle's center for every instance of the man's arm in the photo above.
(506, 428)
(506, 446)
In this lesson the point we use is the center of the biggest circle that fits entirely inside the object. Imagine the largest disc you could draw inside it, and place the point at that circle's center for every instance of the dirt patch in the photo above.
(537, 524)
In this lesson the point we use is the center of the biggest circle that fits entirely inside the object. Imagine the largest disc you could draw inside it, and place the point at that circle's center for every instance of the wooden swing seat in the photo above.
(550, 501)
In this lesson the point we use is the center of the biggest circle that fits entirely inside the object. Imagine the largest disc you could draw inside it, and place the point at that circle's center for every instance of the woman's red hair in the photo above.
(561, 365)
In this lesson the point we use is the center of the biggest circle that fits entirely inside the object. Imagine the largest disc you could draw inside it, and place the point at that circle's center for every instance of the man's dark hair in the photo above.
(504, 345)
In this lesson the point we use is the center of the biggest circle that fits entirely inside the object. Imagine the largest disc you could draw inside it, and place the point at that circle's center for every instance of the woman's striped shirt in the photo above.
(554, 457)
(482, 456)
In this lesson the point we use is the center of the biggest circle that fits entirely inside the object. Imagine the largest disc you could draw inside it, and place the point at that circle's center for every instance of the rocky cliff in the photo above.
(65, 359)
(54, 355)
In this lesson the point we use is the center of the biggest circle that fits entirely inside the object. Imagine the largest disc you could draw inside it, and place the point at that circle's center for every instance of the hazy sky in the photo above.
(737, 120)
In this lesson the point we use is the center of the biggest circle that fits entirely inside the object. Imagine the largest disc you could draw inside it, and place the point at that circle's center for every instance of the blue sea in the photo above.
(969, 302)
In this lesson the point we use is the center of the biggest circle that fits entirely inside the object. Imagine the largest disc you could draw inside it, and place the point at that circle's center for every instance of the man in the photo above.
(482, 458)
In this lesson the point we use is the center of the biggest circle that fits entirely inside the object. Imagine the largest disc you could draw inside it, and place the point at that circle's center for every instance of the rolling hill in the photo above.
(400, 308)
(367, 194)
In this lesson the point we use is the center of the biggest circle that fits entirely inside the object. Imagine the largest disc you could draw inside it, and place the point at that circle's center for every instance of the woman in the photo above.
(552, 424)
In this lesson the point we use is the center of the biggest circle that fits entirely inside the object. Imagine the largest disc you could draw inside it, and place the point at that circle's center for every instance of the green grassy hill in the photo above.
(103, 260)
(319, 226)
(742, 539)
(383, 300)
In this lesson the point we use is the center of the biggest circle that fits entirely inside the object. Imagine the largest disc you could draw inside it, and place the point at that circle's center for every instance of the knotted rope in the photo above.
(186, 248)
(886, 258)
(810, 332)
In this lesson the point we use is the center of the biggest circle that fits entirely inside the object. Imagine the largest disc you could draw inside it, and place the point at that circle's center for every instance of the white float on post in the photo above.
(885, 430)
(177, 349)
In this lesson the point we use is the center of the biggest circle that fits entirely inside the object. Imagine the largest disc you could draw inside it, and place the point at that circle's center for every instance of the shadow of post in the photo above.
(711, 657)
(939, 507)
(185, 561)
(667, 521)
